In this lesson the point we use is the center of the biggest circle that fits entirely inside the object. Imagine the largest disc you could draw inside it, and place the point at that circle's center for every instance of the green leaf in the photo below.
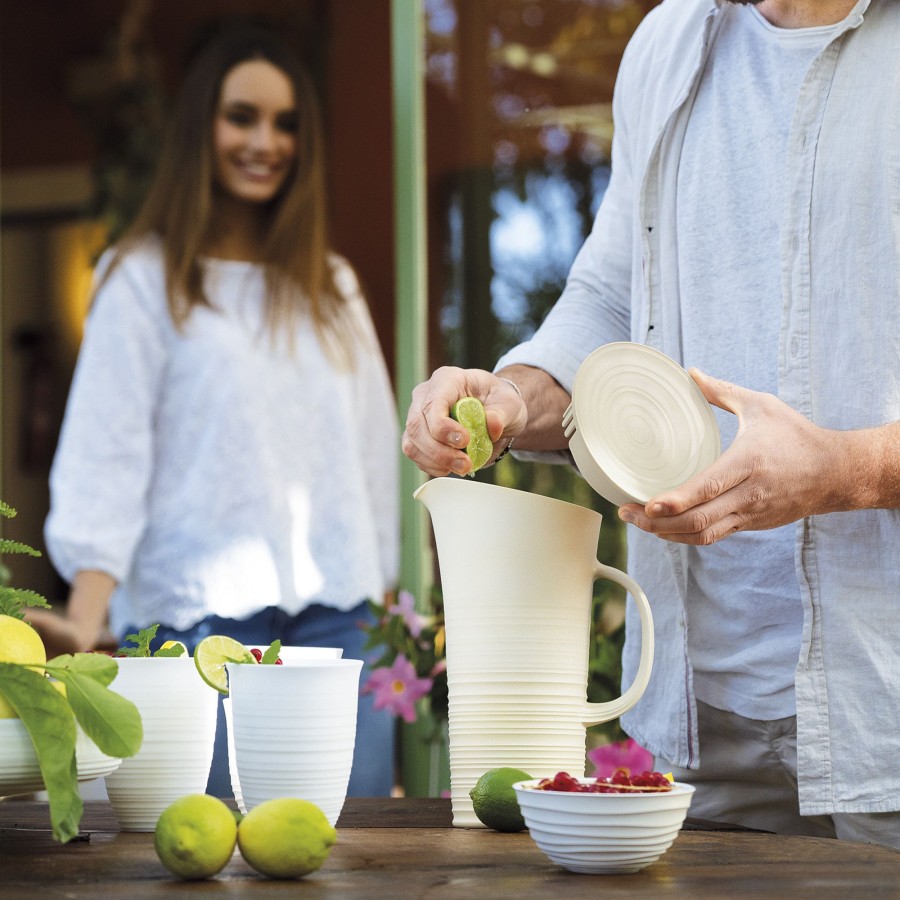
(98, 666)
(6, 510)
(171, 652)
(49, 722)
(13, 600)
(142, 639)
(111, 721)
(7, 546)
(271, 654)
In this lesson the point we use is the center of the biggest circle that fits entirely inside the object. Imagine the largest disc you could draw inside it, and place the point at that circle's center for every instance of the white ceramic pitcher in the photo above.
(517, 573)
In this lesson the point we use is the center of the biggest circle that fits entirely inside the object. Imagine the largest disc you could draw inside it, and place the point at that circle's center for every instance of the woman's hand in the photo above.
(781, 467)
(59, 634)
(85, 619)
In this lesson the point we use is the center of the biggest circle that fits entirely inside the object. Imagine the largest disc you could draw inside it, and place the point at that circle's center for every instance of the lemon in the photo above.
(469, 412)
(211, 654)
(195, 836)
(286, 838)
(494, 799)
(175, 645)
(19, 643)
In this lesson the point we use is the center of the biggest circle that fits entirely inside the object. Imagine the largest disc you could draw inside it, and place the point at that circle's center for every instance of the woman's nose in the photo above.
(263, 136)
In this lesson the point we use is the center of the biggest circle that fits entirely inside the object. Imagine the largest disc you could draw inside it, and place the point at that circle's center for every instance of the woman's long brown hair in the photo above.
(179, 207)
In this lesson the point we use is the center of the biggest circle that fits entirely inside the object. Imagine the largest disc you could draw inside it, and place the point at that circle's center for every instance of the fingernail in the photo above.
(657, 509)
(459, 466)
(627, 517)
(455, 438)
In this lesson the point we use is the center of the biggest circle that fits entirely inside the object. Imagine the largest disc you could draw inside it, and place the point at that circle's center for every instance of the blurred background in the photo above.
(517, 118)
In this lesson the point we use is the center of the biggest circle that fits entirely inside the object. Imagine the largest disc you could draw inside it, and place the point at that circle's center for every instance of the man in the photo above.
(751, 229)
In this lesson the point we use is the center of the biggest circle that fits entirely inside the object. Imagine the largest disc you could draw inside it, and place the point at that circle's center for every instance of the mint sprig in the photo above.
(108, 719)
(142, 639)
(271, 654)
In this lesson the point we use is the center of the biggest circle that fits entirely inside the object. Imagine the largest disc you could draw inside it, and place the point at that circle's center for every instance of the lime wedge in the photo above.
(211, 654)
(469, 412)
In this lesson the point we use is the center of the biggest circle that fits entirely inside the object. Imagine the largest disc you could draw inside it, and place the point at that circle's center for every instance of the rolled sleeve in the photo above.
(103, 464)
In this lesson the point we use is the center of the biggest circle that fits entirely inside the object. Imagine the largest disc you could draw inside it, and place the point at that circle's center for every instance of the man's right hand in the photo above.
(435, 442)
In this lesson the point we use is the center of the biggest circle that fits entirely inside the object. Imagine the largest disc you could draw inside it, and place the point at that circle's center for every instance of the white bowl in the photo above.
(19, 769)
(601, 834)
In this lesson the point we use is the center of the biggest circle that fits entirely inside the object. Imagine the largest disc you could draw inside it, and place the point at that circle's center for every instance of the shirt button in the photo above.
(795, 346)
(795, 244)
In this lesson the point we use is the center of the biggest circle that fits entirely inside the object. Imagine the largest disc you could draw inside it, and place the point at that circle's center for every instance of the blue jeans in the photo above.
(316, 626)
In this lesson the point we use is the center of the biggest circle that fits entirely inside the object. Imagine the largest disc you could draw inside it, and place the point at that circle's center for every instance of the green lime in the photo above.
(211, 654)
(195, 836)
(286, 838)
(469, 412)
(495, 802)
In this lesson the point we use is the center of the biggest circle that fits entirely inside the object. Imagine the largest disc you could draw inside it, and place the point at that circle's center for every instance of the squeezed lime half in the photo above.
(469, 412)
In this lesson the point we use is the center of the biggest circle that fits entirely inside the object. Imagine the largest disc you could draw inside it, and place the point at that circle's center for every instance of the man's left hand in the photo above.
(780, 468)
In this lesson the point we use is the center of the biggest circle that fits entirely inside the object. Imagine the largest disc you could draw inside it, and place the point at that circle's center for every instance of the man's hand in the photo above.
(435, 442)
(780, 468)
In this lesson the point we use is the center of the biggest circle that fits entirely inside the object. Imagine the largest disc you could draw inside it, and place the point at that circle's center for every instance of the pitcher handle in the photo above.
(596, 713)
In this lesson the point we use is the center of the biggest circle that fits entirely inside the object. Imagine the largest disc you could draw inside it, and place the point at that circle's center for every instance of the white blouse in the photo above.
(214, 471)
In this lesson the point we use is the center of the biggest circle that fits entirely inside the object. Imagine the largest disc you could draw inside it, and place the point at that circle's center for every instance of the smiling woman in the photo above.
(224, 331)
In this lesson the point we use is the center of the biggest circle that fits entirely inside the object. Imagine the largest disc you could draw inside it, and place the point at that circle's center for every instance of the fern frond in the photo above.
(14, 600)
(7, 546)
(6, 510)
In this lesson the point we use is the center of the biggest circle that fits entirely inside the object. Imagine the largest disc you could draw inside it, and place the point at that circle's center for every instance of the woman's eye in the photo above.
(287, 124)
(239, 117)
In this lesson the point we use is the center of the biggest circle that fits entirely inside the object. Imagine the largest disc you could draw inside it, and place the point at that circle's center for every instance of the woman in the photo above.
(227, 463)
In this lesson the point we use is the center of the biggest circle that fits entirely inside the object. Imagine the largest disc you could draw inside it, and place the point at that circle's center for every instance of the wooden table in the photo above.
(393, 849)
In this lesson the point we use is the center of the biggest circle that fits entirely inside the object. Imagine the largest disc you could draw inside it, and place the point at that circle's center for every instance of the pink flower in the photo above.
(397, 688)
(405, 607)
(622, 755)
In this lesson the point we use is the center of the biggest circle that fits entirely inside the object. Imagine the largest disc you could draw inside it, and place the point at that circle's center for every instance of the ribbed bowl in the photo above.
(19, 769)
(603, 834)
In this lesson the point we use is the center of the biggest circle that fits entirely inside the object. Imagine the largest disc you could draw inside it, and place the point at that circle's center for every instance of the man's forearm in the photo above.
(546, 400)
(873, 457)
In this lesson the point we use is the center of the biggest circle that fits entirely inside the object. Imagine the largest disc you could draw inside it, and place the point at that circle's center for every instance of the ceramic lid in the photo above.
(638, 424)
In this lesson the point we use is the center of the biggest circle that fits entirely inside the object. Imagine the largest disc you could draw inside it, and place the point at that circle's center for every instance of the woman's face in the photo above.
(255, 132)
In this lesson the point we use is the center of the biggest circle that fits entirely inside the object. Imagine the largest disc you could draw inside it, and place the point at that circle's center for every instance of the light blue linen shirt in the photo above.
(839, 365)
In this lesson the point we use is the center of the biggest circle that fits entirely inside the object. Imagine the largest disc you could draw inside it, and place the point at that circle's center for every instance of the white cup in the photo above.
(294, 730)
(178, 710)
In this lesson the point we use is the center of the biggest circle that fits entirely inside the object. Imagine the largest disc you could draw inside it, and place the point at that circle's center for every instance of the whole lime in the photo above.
(195, 836)
(286, 838)
(494, 799)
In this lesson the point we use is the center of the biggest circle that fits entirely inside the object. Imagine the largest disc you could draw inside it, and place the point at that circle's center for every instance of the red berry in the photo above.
(257, 653)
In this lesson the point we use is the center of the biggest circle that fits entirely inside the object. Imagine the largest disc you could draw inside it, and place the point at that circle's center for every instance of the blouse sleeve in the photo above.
(103, 466)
